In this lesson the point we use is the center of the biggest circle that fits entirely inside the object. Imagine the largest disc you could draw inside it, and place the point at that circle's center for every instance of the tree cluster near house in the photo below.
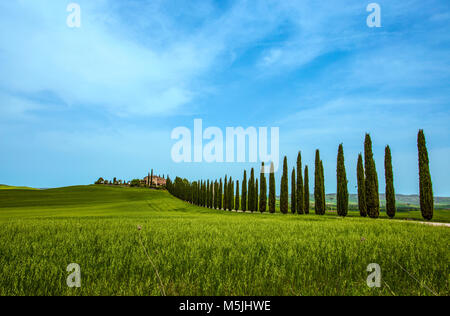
(251, 194)
(150, 181)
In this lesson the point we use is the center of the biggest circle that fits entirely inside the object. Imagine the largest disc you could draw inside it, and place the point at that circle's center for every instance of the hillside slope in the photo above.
(204, 252)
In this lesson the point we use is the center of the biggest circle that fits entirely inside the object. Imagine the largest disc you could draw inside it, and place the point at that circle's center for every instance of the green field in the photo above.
(206, 252)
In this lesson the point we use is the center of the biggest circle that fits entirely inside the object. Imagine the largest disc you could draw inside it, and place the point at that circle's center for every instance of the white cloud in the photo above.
(93, 65)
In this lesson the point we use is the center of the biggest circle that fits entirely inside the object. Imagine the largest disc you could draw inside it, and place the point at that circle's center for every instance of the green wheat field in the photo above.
(199, 251)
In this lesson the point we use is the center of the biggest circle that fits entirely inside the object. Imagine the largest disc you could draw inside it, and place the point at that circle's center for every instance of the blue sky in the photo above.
(102, 100)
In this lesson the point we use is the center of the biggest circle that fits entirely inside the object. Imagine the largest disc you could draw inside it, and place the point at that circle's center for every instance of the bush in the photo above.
(135, 183)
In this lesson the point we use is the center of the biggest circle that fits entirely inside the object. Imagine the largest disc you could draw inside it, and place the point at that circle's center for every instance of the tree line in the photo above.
(253, 195)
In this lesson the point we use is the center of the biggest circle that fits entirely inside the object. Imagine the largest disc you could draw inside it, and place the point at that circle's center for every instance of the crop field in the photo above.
(198, 251)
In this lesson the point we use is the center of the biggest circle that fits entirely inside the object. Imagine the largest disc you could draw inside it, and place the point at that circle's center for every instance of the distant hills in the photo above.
(402, 201)
(8, 187)
(405, 202)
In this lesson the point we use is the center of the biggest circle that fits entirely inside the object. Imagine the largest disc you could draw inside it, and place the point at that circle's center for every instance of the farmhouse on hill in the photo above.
(156, 181)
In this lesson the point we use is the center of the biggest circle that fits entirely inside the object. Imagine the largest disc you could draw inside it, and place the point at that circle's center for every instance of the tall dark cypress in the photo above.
(211, 194)
(220, 196)
(244, 192)
(293, 195)
(215, 195)
(236, 199)
(389, 176)
(272, 196)
(342, 190)
(319, 207)
(425, 184)
(361, 187)
(208, 189)
(263, 191)
(299, 193)
(372, 194)
(213, 188)
(207, 193)
(306, 195)
(256, 195)
(284, 195)
(198, 193)
(151, 179)
(231, 195)
(322, 178)
(205, 197)
(225, 194)
(251, 191)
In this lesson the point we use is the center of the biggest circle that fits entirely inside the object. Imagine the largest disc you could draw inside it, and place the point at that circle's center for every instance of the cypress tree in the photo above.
(208, 189)
(293, 195)
(200, 192)
(342, 190)
(361, 187)
(306, 195)
(389, 176)
(225, 194)
(251, 191)
(322, 178)
(211, 195)
(372, 195)
(219, 197)
(244, 192)
(299, 193)
(200, 195)
(272, 189)
(236, 200)
(284, 195)
(215, 195)
(231, 195)
(204, 194)
(318, 199)
(256, 195)
(151, 179)
(425, 184)
(263, 191)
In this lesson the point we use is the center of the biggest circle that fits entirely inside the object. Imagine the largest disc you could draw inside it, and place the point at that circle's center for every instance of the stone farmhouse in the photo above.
(156, 181)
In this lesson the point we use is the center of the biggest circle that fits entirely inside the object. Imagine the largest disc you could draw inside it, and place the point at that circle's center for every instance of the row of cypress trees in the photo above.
(368, 196)
(252, 196)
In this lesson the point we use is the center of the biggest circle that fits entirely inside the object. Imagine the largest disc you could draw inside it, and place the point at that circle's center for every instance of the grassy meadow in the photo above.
(198, 251)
